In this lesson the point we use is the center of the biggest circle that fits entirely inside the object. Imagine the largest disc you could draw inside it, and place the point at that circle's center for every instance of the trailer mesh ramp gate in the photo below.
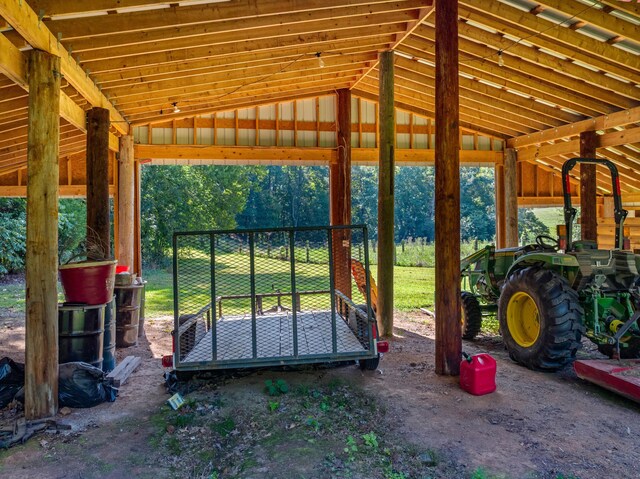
(251, 298)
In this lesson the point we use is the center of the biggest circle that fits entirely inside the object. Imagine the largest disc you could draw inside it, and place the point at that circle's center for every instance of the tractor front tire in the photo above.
(540, 319)
(471, 315)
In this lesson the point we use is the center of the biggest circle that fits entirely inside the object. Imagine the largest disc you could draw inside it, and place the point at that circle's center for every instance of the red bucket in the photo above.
(88, 283)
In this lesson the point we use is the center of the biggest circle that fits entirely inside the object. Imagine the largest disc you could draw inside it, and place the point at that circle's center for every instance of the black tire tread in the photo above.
(561, 319)
(370, 364)
(472, 321)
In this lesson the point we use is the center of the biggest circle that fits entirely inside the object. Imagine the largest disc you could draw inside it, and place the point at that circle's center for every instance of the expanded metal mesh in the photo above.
(269, 296)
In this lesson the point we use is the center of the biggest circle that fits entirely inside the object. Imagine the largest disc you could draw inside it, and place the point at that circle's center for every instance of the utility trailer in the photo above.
(270, 297)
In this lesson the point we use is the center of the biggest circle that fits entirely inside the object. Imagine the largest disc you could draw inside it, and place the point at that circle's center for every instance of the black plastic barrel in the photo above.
(127, 314)
(109, 342)
(81, 333)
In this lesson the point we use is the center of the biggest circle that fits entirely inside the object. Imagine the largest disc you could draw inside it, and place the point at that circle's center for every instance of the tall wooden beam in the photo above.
(588, 186)
(386, 196)
(137, 242)
(510, 198)
(41, 349)
(447, 217)
(98, 224)
(126, 201)
(340, 195)
(501, 217)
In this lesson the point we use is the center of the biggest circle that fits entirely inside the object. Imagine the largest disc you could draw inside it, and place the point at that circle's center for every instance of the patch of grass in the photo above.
(224, 427)
(183, 420)
(333, 429)
(173, 446)
(481, 473)
(12, 297)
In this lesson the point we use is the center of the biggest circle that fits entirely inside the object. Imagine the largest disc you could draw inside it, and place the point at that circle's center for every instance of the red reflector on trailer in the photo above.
(167, 361)
(383, 347)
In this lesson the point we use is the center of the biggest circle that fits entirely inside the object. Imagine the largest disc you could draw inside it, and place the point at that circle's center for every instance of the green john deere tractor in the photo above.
(548, 294)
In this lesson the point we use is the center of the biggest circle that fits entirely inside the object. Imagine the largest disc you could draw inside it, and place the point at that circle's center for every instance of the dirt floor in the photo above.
(535, 425)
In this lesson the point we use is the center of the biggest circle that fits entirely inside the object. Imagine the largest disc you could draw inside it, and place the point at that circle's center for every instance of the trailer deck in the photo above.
(274, 337)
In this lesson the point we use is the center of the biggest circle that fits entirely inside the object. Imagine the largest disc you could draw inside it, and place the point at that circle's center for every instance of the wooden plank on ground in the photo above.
(122, 372)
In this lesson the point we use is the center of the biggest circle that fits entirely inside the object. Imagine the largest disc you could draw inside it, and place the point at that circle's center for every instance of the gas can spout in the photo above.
(467, 357)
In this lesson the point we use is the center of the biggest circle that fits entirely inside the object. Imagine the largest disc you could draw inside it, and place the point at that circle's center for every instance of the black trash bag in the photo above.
(83, 385)
(11, 380)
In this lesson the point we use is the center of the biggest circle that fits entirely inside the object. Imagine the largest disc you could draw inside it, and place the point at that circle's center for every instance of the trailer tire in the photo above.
(370, 364)
(540, 319)
(471, 315)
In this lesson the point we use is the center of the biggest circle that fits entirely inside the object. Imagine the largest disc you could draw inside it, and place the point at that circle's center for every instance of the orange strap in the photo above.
(360, 277)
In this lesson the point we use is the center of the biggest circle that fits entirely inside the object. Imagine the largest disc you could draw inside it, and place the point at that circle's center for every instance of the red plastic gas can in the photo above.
(478, 376)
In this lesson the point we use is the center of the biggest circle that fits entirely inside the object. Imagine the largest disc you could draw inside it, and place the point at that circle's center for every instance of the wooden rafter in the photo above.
(26, 22)
(612, 120)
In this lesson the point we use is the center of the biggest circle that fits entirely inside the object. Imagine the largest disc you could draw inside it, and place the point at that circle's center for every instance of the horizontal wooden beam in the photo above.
(64, 191)
(181, 18)
(250, 155)
(66, 7)
(611, 120)
(419, 157)
(544, 201)
(615, 138)
(26, 22)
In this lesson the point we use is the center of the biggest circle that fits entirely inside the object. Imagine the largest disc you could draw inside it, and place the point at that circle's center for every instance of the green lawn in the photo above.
(413, 288)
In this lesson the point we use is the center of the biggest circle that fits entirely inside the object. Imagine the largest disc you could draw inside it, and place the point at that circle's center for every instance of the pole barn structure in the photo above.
(90, 91)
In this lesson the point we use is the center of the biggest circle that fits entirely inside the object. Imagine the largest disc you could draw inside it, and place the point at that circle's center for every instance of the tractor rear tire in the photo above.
(540, 319)
(471, 315)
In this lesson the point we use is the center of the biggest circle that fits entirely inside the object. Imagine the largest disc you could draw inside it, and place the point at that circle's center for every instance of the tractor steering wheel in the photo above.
(547, 242)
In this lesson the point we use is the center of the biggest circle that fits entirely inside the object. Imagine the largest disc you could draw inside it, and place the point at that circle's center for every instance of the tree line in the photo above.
(183, 198)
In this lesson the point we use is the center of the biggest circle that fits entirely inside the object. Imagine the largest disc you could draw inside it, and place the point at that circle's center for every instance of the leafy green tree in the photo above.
(13, 232)
(414, 203)
(72, 219)
(529, 226)
(183, 198)
(364, 198)
(477, 204)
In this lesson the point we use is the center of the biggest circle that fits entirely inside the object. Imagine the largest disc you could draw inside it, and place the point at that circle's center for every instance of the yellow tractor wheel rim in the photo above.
(523, 319)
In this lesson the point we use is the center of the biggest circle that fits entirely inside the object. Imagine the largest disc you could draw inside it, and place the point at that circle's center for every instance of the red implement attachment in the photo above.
(621, 377)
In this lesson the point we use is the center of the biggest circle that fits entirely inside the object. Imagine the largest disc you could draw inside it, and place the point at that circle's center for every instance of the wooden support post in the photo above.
(501, 217)
(588, 208)
(41, 345)
(340, 195)
(511, 197)
(98, 224)
(386, 168)
(447, 216)
(137, 239)
(126, 201)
